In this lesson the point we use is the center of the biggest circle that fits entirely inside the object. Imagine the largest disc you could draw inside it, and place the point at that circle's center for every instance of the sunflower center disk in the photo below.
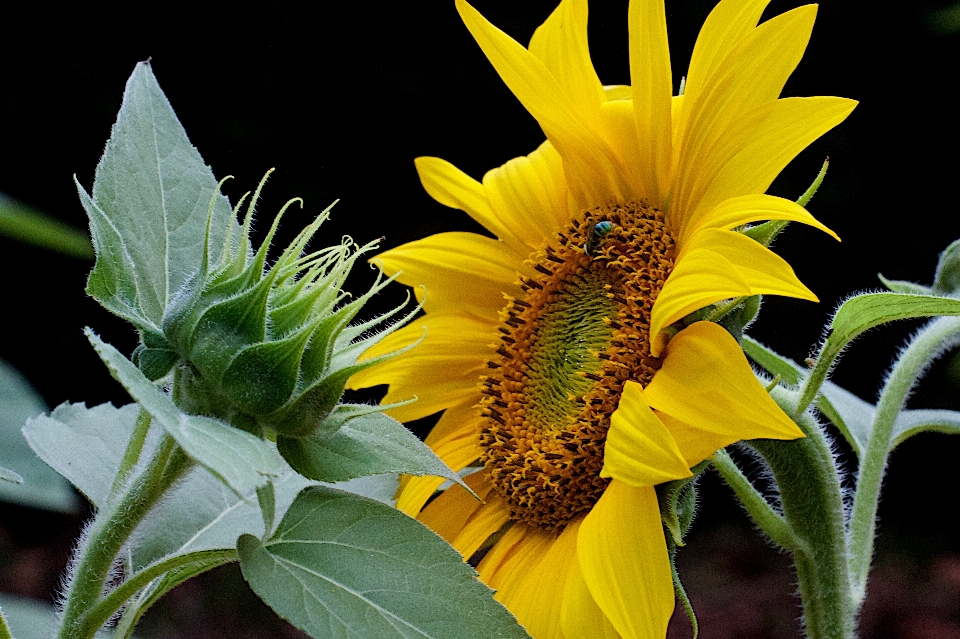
(566, 349)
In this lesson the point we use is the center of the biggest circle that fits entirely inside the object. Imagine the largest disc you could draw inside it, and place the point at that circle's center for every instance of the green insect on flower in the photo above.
(600, 229)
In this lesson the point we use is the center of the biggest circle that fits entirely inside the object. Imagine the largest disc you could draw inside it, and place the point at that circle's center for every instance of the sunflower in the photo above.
(556, 351)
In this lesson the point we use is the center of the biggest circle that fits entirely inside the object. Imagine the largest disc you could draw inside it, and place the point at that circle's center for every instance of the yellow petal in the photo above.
(640, 451)
(462, 272)
(695, 443)
(652, 83)
(717, 265)
(706, 382)
(701, 278)
(752, 74)
(448, 514)
(441, 370)
(729, 21)
(518, 552)
(765, 272)
(530, 195)
(618, 123)
(623, 556)
(458, 450)
(588, 160)
(459, 417)
(754, 150)
(742, 210)
(532, 587)
(580, 616)
(451, 187)
(561, 44)
(494, 515)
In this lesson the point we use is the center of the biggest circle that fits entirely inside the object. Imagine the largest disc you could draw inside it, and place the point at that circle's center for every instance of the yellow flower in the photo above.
(619, 225)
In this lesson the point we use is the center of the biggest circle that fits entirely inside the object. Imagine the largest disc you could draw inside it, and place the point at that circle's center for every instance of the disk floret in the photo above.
(267, 348)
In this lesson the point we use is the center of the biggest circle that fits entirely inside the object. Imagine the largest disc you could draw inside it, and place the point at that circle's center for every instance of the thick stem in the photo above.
(935, 338)
(812, 500)
(110, 530)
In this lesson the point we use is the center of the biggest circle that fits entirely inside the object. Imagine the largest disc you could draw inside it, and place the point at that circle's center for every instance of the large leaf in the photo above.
(86, 445)
(342, 566)
(148, 211)
(863, 312)
(366, 444)
(201, 513)
(41, 487)
(239, 459)
(23, 223)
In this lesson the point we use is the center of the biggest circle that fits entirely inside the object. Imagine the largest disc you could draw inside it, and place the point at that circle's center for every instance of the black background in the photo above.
(342, 99)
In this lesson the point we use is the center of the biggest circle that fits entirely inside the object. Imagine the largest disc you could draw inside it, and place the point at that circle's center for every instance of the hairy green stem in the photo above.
(936, 337)
(812, 501)
(756, 505)
(110, 530)
(94, 618)
(132, 454)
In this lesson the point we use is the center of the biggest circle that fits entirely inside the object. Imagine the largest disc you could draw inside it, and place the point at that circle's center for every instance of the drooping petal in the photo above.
(752, 74)
(765, 272)
(580, 616)
(695, 443)
(441, 370)
(755, 148)
(639, 450)
(718, 265)
(701, 278)
(652, 83)
(462, 271)
(530, 195)
(623, 557)
(588, 161)
(706, 382)
(561, 44)
(534, 591)
(742, 210)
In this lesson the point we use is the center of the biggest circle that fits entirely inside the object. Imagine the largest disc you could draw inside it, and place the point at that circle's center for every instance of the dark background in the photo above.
(342, 100)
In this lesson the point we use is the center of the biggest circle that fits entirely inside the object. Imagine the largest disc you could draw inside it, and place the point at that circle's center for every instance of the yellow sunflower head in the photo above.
(555, 350)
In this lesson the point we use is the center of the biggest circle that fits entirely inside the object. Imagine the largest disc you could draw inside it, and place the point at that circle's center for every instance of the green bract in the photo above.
(267, 348)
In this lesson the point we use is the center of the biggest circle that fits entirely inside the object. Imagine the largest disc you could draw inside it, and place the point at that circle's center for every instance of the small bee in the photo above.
(599, 230)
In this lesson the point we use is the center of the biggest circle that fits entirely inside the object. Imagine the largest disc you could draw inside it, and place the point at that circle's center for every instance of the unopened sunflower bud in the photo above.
(947, 279)
(267, 348)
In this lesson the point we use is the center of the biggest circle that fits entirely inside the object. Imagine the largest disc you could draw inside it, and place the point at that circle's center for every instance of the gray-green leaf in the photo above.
(367, 444)
(41, 487)
(148, 211)
(342, 566)
(239, 459)
(85, 445)
(863, 312)
(201, 513)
